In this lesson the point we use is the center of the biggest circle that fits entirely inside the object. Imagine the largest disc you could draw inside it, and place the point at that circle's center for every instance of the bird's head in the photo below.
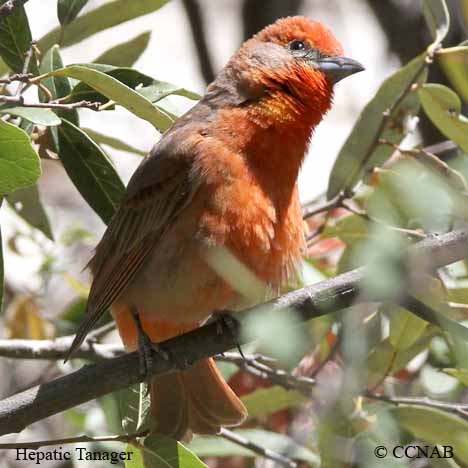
(287, 72)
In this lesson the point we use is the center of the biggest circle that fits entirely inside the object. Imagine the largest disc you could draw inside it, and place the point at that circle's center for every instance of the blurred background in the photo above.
(190, 42)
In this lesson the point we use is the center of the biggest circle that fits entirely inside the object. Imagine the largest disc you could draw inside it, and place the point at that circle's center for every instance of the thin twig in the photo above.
(9, 7)
(456, 408)
(195, 18)
(335, 202)
(19, 101)
(27, 61)
(126, 438)
(253, 365)
(97, 334)
(57, 349)
(258, 449)
(364, 215)
(24, 77)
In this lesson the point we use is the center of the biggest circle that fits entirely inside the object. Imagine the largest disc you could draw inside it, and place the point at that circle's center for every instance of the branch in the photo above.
(329, 296)
(459, 409)
(9, 7)
(57, 349)
(281, 460)
(198, 32)
(19, 101)
(126, 438)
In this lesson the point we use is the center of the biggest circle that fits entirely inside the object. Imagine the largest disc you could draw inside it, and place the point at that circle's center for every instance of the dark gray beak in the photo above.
(337, 68)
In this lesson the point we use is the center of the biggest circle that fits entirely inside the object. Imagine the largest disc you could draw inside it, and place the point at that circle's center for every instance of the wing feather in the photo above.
(158, 192)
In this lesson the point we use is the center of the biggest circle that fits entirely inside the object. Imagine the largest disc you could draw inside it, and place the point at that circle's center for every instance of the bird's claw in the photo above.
(146, 348)
(225, 320)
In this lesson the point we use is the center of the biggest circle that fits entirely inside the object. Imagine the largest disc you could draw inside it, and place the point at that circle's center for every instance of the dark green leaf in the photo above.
(443, 107)
(163, 452)
(437, 18)
(67, 10)
(265, 401)
(15, 38)
(216, 447)
(58, 86)
(103, 17)
(353, 161)
(127, 53)
(90, 170)
(435, 427)
(28, 205)
(34, 115)
(113, 142)
(118, 92)
(19, 163)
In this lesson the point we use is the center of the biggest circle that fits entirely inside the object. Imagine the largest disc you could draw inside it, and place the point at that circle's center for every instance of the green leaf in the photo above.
(353, 161)
(454, 62)
(350, 229)
(460, 374)
(135, 460)
(437, 18)
(217, 447)
(269, 400)
(28, 205)
(34, 115)
(19, 163)
(127, 76)
(90, 170)
(443, 107)
(435, 427)
(405, 327)
(118, 92)
(127, 53)
(67, 10)
(103, 17)
(160, 89)
(58, 86)
(15, 38)
(113, 142)
(134, 407)
(163, 452)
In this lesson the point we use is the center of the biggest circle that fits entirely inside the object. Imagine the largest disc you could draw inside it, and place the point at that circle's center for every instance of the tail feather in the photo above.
(196, 400)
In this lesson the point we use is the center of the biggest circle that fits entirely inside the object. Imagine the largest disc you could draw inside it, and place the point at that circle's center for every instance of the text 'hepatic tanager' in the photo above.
(219, 189)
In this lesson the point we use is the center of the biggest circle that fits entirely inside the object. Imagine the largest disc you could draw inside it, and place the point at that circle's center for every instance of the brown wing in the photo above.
(158, 191)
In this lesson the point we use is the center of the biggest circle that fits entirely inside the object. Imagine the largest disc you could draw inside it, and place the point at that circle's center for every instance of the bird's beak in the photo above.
(337, 68)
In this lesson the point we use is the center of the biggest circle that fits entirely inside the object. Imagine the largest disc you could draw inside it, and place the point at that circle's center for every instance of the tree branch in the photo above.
(195, 18)
(329, 296)
(19, 101)
(281, 460)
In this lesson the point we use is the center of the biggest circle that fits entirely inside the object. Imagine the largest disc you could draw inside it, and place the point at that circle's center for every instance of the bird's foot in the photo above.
(225, 321)
(146, 347)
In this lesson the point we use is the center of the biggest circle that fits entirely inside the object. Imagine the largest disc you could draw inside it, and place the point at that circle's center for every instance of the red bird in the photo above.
(211, 218)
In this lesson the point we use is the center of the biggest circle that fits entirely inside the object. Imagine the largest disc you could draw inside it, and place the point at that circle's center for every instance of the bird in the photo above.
(211, 218)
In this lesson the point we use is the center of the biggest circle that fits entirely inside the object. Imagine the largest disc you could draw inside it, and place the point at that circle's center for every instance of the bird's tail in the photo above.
(197, 400)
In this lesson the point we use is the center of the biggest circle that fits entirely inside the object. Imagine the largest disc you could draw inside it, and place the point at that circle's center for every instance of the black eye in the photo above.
(297, 45)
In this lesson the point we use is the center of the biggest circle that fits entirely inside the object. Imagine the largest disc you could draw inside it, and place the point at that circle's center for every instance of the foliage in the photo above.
(383, 194)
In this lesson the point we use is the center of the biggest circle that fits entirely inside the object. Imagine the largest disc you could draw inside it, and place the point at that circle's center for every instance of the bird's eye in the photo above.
(297, 45)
